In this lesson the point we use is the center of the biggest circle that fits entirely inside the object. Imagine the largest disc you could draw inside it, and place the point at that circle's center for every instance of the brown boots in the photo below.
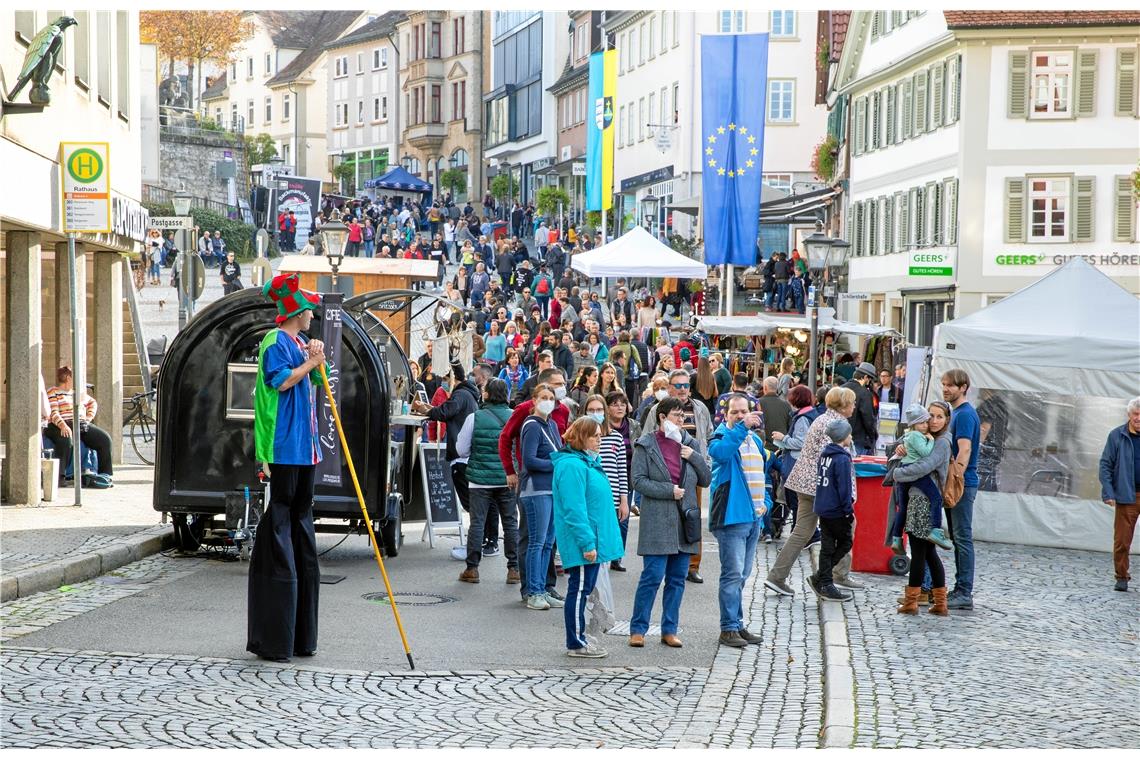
(910, 601)
(938, 602)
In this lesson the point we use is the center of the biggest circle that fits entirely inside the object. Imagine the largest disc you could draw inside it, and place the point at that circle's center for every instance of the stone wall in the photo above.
(187, 159)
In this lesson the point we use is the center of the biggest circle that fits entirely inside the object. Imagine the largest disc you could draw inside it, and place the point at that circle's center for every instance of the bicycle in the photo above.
(141, 425)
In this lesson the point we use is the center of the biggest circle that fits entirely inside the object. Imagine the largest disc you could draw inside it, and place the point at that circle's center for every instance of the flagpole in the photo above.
(728, 290)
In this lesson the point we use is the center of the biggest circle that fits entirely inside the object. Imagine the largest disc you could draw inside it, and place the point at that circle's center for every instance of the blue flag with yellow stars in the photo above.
(734, 80)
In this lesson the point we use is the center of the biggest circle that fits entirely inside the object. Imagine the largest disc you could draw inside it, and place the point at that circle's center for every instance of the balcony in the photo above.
(425, 68)
(427, 136)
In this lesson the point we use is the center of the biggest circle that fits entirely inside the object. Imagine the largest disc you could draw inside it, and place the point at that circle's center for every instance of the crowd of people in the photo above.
(586, 407)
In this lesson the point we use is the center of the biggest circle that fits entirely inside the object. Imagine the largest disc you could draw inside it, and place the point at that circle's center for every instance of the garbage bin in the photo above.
(869, 554)
(498, 230)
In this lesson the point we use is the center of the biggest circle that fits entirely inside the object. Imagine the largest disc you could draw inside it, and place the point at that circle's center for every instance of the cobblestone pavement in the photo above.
(1046, 658)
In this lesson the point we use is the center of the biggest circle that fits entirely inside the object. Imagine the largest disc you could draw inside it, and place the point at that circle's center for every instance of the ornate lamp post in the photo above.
(818, 248)
(649, 210)
(333, 236)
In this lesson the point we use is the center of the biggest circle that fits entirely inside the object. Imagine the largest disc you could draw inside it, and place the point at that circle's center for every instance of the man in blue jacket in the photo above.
(835, 505)
(739, 501)
(1120, 488)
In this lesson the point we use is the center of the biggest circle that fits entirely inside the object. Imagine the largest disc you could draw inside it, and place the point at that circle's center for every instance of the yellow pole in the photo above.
(364, 509)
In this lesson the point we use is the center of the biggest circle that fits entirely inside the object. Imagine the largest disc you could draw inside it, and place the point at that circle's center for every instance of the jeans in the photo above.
(806, 520)
(370, 248)
(485, 501)
(623, 526)
(540, 546)
(549, 577)
(93, 437)
(450, 246)
(737, 547)
(781, 294)
(835, 534)
(544, 305)
(672, 568)
(580, 582)
(961, 523)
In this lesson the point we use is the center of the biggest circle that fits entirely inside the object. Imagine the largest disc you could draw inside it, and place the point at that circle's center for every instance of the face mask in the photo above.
(598, 417)
(671, 431)
(546, 406)
(661, 395)
(560, 392)
(595, 456)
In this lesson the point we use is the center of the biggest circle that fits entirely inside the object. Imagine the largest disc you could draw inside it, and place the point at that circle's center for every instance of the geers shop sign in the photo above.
(128, 218)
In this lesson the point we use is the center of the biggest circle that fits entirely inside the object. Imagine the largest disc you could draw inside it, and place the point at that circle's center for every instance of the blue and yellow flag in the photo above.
(600, 131)
(734, 80)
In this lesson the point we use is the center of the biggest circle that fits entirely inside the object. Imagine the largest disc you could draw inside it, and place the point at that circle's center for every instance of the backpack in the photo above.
(543, 287)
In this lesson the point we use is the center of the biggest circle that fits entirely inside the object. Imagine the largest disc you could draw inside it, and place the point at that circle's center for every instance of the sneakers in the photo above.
(459, 552)
(897, 546)
(491, 549)
(815, 539)
(553, 600)
(767, 538)
(592, 651)
(779, 587)
(1121, 586)
(751, 638)
(938, 536)
(512, 576)
(849, 583)
(552, 593)
(537, 602)
(470, 575)
(958, 601)
(732, 639)
(831, 594)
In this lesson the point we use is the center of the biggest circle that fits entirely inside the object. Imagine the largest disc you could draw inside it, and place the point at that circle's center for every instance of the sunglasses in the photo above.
(679, 386)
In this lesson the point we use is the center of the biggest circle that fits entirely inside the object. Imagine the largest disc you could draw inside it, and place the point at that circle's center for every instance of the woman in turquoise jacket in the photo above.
(585, 526)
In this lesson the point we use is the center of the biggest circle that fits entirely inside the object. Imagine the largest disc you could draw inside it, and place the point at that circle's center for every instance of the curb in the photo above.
(839, 674)
(82, 567)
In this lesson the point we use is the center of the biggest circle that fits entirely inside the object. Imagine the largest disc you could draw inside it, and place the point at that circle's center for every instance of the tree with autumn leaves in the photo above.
(194, 37)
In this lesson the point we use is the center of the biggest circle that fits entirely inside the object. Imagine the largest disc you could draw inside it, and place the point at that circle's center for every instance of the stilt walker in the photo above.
(284, 578)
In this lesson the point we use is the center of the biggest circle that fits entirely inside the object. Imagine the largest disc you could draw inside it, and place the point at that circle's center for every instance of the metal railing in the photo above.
(156, 194)
(189, 123)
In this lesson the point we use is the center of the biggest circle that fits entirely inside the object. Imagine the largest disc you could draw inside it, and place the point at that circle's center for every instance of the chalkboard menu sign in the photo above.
(439, 490)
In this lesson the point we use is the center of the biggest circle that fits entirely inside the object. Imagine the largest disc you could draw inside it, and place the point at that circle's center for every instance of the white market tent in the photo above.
(766, 324)
(637, 254)
(1064, 356)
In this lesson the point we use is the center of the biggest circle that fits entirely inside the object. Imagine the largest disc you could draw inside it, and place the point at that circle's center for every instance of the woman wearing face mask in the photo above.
(538, 439)
(668, 466)
(658, 390)
(585, 525)
(613, 463)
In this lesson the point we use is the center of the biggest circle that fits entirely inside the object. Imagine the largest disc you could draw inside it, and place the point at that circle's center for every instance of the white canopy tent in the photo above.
(1058, 362)
(637, 254)
(766, 324)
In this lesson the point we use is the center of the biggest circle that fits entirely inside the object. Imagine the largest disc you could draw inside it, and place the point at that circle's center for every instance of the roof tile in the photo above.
(1015, 19)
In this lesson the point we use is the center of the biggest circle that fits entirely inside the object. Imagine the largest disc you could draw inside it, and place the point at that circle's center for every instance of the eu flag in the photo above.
(734, 80)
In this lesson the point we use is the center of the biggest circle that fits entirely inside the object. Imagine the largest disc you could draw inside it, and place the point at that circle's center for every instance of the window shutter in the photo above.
(953, 88)
(907, 109)
(950, 217)
(916, 217)
(1083, 227)
(1015, 209)
(920, 102)
(888, 224)
(904, 220)
(1124, 210)
(896, 19)
(876, 111)
(853, 226)
(937, 91)
(889, 98)
(876, 24)
(1086, 82)
(1017, 106)
(860, 126)
(1126, 82)
(930, 207)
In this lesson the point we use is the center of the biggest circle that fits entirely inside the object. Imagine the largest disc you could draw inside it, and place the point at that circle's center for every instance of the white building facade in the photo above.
(659, 90)
(984, 155)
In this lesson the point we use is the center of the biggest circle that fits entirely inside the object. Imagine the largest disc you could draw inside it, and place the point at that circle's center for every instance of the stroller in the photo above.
(781, 514)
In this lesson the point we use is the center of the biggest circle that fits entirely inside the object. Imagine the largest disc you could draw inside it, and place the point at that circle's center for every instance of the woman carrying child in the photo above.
(918, 443)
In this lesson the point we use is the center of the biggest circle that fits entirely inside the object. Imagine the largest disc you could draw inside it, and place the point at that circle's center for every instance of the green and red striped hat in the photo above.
(285, 290)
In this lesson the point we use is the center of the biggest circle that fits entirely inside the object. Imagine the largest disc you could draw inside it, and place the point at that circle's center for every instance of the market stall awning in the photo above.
(766, 324)
(398, 178)
(637, 254)
(795, 207)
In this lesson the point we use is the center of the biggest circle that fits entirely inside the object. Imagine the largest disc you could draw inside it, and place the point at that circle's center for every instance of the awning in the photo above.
(766, 324)
(795, 208)
(690, 206)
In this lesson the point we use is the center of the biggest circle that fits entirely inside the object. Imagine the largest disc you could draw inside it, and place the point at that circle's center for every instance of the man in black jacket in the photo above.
(864, 430)
(563, 356)
(463, 403)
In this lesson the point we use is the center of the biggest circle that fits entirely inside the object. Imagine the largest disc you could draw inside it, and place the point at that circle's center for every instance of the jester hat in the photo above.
(285, 291)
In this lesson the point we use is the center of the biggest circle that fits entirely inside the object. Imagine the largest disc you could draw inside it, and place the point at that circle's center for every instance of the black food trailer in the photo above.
(205, 450)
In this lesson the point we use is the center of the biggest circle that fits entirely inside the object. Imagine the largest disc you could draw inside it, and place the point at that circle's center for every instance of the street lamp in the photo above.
(649, 210)
(333, 235)
(818, 248)
(182, 203)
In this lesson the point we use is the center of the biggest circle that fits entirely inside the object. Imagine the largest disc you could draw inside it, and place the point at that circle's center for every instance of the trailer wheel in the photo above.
(188, 530)
(392, 530)
(900, 564)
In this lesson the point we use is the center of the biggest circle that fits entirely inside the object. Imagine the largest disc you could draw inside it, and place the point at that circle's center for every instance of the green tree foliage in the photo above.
(259, 149)
(455, 180)
(237, 234)
(500, 186)
(548, 198)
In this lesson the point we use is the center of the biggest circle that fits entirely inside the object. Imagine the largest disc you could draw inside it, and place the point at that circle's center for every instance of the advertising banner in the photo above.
(302, 196)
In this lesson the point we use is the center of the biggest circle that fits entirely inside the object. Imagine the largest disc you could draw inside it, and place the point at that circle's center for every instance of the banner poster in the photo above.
(329, 468)
(302, 196)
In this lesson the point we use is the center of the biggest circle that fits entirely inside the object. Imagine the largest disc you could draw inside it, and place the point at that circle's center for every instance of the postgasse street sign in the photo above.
(85, 182)
(172, 222)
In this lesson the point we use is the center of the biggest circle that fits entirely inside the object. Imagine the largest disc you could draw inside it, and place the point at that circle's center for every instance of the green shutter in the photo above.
(918, 216)
(907, 109)
(1125, 82)
(874, 119)
(953, 88)
(1086, 82)
(889, 224)
(1124, 210)
(1015, 209)
(891, 136)
(920, 105)
(876, 24)
(1017, 106)
(853, 224)
(896, 19)
(860, 126)
(937, 94)
(900, 221)
(950, 218)
(1083, 229)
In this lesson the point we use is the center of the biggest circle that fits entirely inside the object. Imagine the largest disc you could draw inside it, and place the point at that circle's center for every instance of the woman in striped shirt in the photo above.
(614, 464)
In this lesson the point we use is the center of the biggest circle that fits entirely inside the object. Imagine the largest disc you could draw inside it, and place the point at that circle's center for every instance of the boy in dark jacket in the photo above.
(835, 505)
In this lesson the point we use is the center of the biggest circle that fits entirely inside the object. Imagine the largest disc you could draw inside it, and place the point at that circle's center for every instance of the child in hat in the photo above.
(918, 443)
(835, 505)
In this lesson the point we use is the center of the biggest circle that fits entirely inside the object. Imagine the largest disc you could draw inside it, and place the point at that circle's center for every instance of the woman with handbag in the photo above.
(668, 466)
(923, 552)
